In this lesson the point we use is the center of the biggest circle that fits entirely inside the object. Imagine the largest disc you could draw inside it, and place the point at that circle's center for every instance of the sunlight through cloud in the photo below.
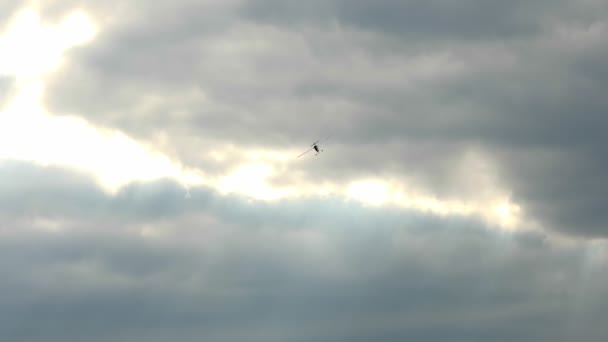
(31, 49)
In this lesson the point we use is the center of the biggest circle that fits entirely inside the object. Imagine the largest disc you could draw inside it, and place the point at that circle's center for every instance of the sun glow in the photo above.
(506, 213)
(376, 192)
(28, 133)
(251, 180)
(372, 192)
(29, 51)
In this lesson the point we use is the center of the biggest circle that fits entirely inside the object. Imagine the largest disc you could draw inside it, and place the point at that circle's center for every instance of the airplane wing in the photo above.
(327, 137)
(310, 149)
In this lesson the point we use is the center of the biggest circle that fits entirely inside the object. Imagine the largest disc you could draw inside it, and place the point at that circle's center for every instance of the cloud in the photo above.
(406, 99)
(5, 87)
(463, 105)
(413, 20)
(148, 264)
(7, 8)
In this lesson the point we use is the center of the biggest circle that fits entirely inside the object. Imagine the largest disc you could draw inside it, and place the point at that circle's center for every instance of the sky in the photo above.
(150, 188)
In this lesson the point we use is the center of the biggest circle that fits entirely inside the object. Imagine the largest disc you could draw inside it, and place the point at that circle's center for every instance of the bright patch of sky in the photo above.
(31, 49)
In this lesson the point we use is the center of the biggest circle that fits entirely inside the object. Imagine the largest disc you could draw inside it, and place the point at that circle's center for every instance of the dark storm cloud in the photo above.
(415, 19)
(407, 87)
(278, 272)
(566, 188)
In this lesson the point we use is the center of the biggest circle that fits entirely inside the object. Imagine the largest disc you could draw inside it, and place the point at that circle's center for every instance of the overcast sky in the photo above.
(150, 190)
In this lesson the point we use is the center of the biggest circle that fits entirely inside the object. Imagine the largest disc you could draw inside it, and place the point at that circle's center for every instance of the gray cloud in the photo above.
(7, 9)
(414, 20)
(421, 82)
(229, 269)
(6, 84)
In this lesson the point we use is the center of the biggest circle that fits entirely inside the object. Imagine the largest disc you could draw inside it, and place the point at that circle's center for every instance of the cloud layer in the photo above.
(407, 88)
(150, 264)
(485, 103)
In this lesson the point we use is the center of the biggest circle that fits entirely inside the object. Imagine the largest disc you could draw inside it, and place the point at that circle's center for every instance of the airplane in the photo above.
(315, 146)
